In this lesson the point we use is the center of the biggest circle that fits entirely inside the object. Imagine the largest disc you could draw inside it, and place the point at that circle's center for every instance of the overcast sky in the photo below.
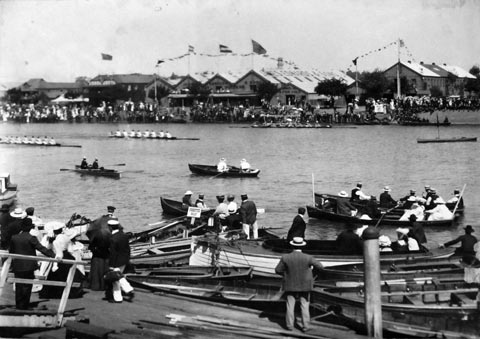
(59, 40)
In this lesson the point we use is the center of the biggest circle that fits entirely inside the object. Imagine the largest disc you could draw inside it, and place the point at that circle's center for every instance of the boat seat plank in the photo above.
(41, 282)
(414, 300)
(460, 299)
(155, 251)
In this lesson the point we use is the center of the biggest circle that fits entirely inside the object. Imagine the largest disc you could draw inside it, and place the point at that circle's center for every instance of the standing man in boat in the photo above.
(26, 244)
(468, 241)
(248, 211)
(296, 269)
(221, 212)
(298, 226)
(84, 164)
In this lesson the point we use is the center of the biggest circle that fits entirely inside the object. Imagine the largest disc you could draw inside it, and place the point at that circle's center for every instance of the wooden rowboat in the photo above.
(110, 173)
(174, 208)
(264, 256)
(232, 171)
(240, 292)
(199, 272)
(435, 140)
(400, 269)
(431, 308)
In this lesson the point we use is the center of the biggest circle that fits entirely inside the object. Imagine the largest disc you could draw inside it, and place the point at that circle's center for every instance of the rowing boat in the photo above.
(233, 171)
(241, 292)
(111, 173)
(199, 272)
(264, 255)
(149, 137)
(400, 269)
(426, 308)
(174, 207)
(39, 144)
(437, 140)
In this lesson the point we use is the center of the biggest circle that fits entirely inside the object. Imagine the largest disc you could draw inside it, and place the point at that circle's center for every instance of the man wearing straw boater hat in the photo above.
(12, 227)
(296, 268)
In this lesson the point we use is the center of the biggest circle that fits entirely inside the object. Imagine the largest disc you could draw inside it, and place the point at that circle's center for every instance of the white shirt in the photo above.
(441, 212)
(244, 165)
(362, 196)
(222, 166)
(232, 207)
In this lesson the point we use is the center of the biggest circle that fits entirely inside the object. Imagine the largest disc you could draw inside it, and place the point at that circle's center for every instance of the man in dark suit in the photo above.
(248, 211)
(119, 259)
(348, 242)
(13, 226)
(386, 200)
(26, 244)
(298, 226)
(296, 268)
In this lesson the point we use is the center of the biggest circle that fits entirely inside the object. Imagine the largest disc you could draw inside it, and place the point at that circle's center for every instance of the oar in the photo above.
(117, 165)
(66, 169)
(384, 214)
(216, 175)
(63, 145)
(458, 201)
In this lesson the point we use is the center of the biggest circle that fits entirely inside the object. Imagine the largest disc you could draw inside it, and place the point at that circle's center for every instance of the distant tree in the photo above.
(374, 83)
(436, 92)
(161, 92)
(266, 90)
(199, 90)
(14, 95)
(473, 85)
(333, 87)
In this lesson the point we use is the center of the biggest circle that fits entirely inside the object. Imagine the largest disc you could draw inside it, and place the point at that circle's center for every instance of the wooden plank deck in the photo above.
(154, 311)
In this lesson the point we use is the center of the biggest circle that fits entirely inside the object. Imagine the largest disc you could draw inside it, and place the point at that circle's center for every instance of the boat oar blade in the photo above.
(117, 165)
(65, 169)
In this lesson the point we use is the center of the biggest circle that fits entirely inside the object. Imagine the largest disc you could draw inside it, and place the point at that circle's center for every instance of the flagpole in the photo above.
(398, 71)
(155, 82)
(356, 81)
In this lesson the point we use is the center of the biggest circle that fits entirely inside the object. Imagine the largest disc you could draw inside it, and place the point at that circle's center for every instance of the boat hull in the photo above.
(206, 251)
(174, 208)
(210, 170)
(109, 173)
(440, 140)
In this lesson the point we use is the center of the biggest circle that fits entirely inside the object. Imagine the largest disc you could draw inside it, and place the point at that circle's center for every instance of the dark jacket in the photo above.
(119, 249)
(467, 240)
(344, 207)
(12, 227)
(248, 211)
(100, 244)
(386, 200)
(296, 270)
(349, 242)
(26, 244)
(297, 229)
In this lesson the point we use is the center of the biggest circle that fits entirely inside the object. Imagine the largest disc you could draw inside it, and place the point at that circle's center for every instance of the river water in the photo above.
(336, 158)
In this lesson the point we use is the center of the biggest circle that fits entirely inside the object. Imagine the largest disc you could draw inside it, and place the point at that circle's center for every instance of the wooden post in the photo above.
(373, 306)
(66, 293)
(4, 275)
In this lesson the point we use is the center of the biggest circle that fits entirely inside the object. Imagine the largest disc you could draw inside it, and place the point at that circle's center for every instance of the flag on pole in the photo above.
(224, 49)
(191, 49)
(160, 62)
(355, 61)
(402, 44)
(257, 48)
(106, 56)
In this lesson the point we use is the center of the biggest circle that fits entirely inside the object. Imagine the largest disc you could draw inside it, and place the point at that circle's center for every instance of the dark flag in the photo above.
(160, 62)
(257, 48)
(191, 49)
(355, 61)
(224, 49)
(106, 56)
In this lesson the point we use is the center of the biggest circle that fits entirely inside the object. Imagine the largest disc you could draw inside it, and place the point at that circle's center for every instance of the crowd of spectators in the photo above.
(405, 109)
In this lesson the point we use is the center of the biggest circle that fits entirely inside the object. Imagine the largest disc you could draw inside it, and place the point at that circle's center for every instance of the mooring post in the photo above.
(373, 306)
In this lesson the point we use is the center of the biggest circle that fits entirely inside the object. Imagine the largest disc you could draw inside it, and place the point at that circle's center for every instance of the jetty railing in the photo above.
(52, 321)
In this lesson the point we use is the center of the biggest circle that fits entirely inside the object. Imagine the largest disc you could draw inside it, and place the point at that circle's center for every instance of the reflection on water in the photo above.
(288, 158)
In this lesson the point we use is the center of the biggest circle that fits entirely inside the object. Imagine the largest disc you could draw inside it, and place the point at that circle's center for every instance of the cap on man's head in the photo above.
(244, 197)
(111, 209)
(201, 196)
(29, 210)
(359, 184)
(220, 197)
(456, 192)
(413, 191)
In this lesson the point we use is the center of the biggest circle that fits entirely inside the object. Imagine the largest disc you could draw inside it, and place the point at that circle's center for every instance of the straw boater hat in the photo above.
(113, 223)
(439, 200)
(188, 193)
(298, 241)
(343, 194)
(384, 241)
(403, 230)
(469, 229)
(387, 189)
(18, 213)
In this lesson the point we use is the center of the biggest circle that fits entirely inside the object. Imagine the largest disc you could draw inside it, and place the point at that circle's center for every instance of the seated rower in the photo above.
(440, 211)
(386, 200)
(452, 202)
(118, 133)
(187, 200)
(200, 203)
(153, 134)
(131, 134)
(222, 165)
(168, 135)
(25, 140)
(138, 134)
(45, 140)
(146, 134)
(371, 208)
(357, 193)
(124, 134)
(52, 141)
(38, 140)
(95, 164)
(344, 207)
(161, 134)
(244, 165)
(84, 164)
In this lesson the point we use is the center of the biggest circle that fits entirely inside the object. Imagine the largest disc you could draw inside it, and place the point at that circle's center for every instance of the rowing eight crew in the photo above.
(27, 140)
(138, 134)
